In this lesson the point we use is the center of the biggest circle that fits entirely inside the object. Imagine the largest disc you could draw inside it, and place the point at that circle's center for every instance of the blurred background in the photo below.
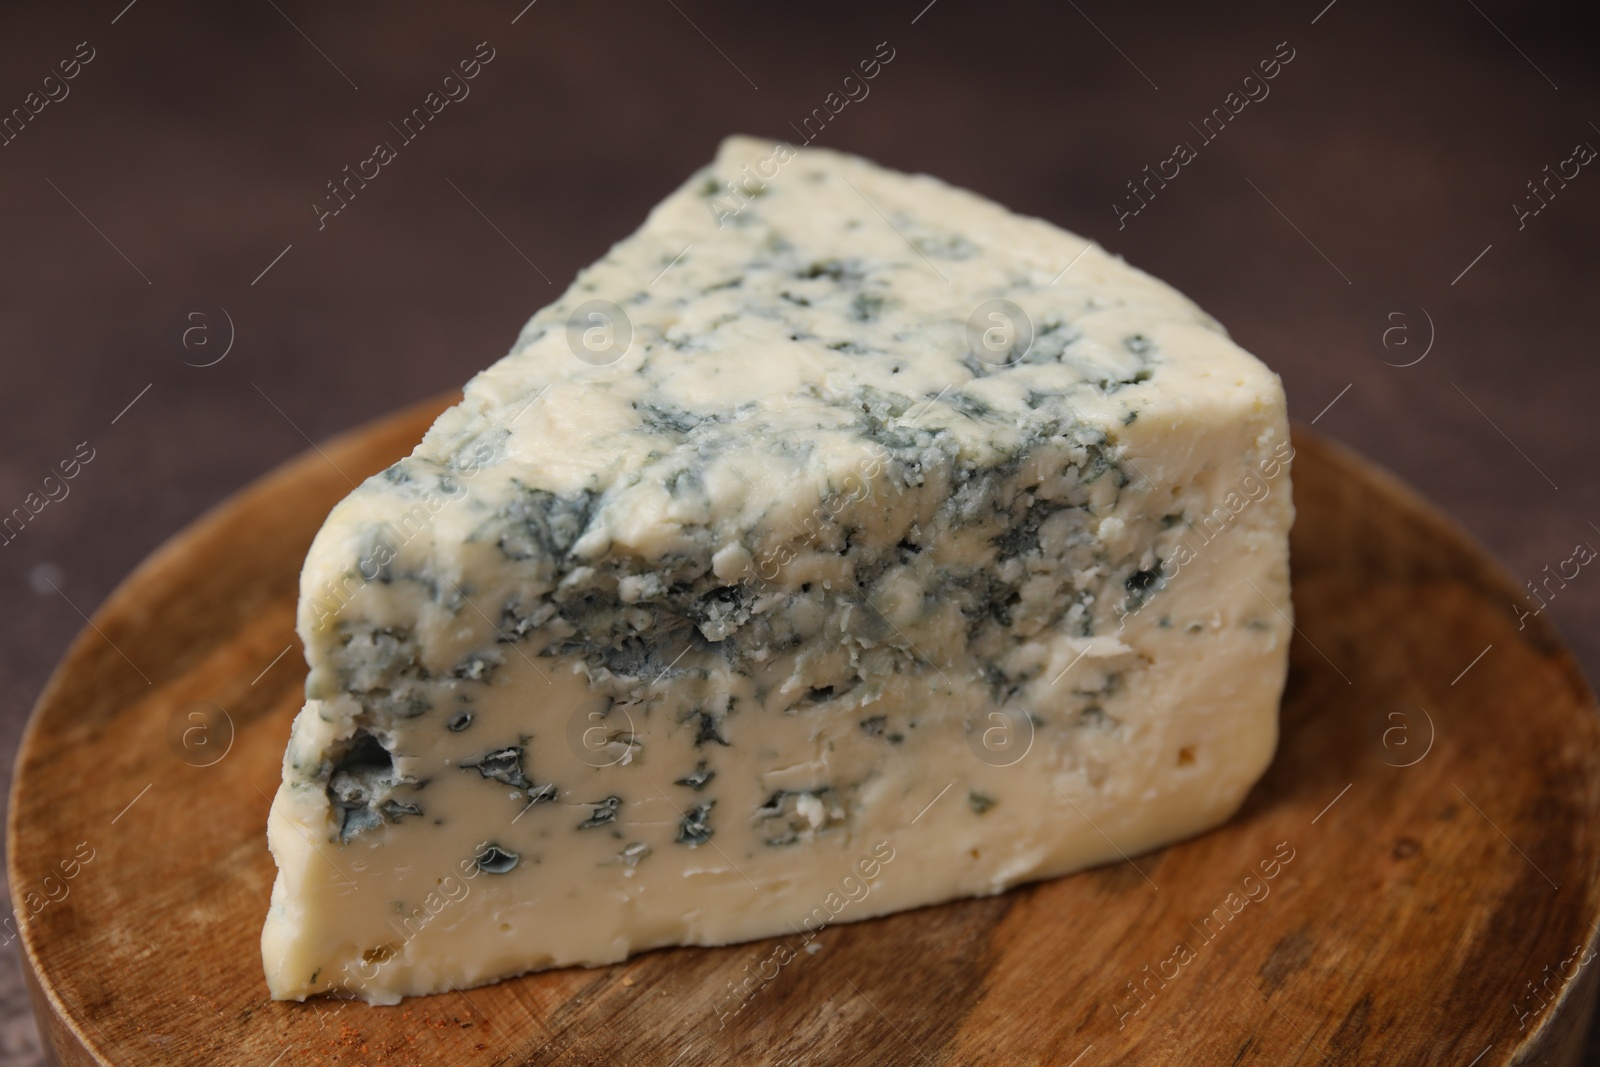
(1402, 222)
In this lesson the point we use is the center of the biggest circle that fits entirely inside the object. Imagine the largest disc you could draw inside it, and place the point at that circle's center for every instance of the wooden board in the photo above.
(1436, 793)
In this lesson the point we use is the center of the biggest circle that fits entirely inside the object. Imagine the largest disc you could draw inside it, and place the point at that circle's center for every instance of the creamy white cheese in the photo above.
(839, 543)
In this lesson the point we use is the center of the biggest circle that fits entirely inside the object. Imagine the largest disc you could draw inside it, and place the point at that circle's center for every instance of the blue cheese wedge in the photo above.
(839, 543)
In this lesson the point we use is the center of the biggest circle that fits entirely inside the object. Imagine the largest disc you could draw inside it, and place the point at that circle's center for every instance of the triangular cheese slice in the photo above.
(839, 543)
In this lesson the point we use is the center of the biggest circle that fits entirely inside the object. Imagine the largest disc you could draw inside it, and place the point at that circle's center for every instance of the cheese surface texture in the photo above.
(840, 543)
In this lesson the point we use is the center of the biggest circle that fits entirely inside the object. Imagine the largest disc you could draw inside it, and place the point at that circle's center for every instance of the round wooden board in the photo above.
(1436, 790)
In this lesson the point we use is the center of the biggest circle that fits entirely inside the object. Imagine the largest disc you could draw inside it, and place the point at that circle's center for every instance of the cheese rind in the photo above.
(839, 543)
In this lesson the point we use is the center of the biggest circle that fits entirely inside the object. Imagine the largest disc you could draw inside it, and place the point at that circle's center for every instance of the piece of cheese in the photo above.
(839, 543)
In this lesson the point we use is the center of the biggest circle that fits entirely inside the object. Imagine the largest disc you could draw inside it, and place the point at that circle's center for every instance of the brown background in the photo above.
(190, 150)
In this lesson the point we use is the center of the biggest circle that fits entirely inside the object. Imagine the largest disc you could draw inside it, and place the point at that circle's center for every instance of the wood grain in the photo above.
(1439, 810)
